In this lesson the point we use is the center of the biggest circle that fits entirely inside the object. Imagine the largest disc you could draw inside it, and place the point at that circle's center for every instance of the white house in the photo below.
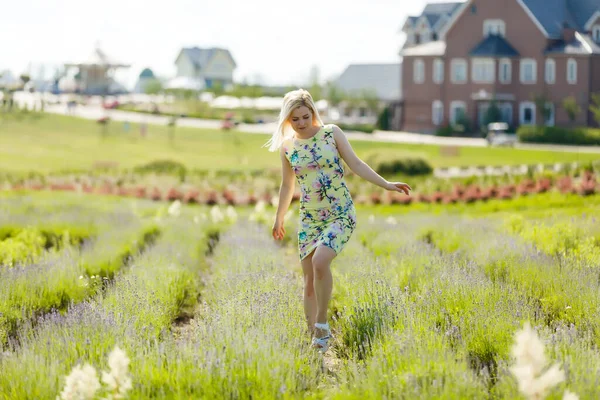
(382, 80)
(209, 67)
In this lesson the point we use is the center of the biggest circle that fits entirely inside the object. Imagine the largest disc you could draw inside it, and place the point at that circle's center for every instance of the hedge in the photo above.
(557, 135)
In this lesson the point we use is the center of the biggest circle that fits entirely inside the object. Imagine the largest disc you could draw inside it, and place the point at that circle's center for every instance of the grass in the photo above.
(49, 143)
(423, 308)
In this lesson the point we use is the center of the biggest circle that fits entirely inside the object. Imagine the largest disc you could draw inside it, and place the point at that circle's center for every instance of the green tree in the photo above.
(542, 107)
(25, 78)
(595, 107)
(334, 94)
(153, 87)
(369, 96)
(571, 107)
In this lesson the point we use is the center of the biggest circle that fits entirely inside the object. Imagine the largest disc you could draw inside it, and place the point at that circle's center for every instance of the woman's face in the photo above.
(301, 119)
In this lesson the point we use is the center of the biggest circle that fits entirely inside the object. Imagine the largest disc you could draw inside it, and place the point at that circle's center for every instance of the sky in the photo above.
(273, 42)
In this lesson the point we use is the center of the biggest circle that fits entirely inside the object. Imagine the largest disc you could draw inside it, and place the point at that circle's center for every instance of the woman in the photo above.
(311, 154)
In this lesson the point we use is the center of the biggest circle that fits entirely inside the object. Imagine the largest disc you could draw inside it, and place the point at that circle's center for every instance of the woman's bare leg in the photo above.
(310, 300)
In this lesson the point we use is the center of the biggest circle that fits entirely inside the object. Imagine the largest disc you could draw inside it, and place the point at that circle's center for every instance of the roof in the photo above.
(433, 12)
(583, 10)
(385, 79)
(554, 14)
(147, 73)
(581, 45)
(494, 46)
(549, 15)
(201, 57)
(436, 48)
(441, 8)
(98, 57)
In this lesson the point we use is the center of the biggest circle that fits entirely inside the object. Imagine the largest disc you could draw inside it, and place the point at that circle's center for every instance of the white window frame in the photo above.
(453, 65)
(551, 121)
(437, 113)
(501, 64)
(453, 106)
(496, 25)
(480, 65)
(419, 71)
(438, 71)
(572, 71)
(523, 64)
(596, 33)
(550, 66)
(522, 107)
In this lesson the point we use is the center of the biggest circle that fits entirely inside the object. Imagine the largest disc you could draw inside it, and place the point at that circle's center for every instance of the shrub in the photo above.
(366, 128)
(390, 165)
(445, 130)
(166, 167)
(557, 135)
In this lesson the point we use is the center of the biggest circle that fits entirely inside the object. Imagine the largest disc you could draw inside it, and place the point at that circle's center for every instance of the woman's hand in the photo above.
(278, 230)
(398, 187)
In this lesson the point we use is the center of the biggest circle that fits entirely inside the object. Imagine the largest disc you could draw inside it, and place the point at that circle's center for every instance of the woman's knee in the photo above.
(320, 265)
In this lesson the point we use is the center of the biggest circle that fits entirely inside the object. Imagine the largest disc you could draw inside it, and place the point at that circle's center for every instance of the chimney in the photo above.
(568, 33)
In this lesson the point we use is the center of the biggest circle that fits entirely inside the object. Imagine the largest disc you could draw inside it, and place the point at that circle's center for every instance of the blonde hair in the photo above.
(291, 101)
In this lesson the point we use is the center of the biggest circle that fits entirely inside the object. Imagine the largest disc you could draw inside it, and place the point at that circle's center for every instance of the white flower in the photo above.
(216, 215)
(260, 207)
(371, 218)
(391, 221)
(175, 208)
(529, 350)
(231, 214)
(117, 380)
(570, 396)
(530, 362)
(82, 383)
(288, 215)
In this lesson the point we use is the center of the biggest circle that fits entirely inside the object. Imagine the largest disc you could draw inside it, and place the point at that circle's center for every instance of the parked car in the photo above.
(497, 135)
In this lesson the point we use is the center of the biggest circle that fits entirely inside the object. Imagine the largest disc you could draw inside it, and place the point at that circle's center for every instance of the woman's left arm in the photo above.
(362, 169)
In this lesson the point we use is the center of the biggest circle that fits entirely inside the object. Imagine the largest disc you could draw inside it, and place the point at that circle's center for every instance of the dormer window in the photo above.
(596, 33)
(494, 27)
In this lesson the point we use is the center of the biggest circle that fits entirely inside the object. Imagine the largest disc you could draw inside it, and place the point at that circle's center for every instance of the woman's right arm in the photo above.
(286, 192)
(288, 183)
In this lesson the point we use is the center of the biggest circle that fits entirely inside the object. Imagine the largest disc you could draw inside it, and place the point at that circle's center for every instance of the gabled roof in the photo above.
(554, 14)
(201, 57)
(436, 48)
(433, 12)
(550, 16)
(441, 8)
(385, 79)
(583, 10)
(494, 46)
(581, 45)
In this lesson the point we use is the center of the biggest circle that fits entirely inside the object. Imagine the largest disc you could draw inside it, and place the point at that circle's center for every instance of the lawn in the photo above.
(54, 143)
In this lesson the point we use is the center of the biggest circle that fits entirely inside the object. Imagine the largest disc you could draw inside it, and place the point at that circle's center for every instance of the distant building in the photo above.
(146, 77)
(382, 80)
(508, 53)
(94, 75)
(428, 26)
(205, 67)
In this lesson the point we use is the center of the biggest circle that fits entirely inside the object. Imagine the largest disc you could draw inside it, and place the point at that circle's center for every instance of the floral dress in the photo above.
(327, 213)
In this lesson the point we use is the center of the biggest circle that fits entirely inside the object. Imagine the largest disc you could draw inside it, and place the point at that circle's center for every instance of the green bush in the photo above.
(383, 121)
(390, 166)
(166, 167)
(366, 128)
(557, 135)
(445, 131)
